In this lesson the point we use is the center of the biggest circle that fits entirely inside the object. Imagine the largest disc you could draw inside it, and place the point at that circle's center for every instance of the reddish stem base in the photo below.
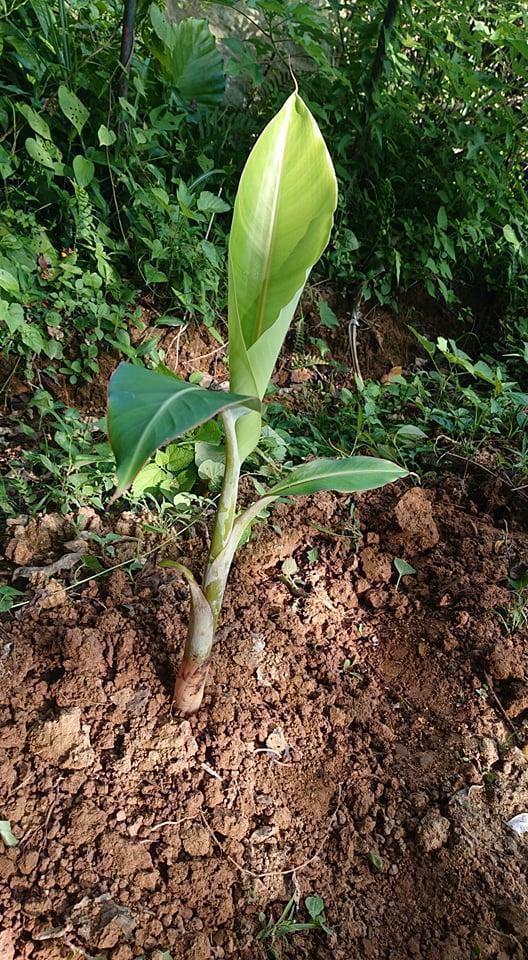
(189, 688)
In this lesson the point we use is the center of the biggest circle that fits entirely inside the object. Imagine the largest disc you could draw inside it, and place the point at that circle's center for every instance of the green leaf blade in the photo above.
(190, 58)
(106, 137)
(403, 568)
(8, 281)
(83, 169)
(282, 220)
(38, 151)
(73, 108)
(146, 409)
(35, 121)
(349, 475)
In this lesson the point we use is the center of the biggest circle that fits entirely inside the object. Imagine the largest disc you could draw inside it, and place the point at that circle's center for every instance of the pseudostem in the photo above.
(206, 602)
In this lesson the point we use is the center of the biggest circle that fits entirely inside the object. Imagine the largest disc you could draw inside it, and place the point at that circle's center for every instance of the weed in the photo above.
(375, 861)
(515, 616)
(275, 931)
(454, 410)
(403, 569)
(349, 667)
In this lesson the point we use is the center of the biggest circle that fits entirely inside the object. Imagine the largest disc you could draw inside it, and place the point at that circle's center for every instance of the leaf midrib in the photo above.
(326, 475)
(267, 269)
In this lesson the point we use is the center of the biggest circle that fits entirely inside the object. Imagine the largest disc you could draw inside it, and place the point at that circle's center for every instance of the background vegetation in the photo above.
(117, 187)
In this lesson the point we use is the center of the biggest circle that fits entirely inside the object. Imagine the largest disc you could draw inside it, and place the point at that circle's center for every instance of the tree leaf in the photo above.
(209, 203)
(344, 476)
(441, 218)
(36, 122)
(281, 224)
(106, 137)
(73, 108)
(38, 151)
(83, 170)
(510, 235)
(8, 281)
(190, 58)
(146, 409)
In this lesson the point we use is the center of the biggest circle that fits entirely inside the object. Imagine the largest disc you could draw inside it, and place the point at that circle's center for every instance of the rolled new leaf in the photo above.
(146, 409)
(282, 219)
(349, 475)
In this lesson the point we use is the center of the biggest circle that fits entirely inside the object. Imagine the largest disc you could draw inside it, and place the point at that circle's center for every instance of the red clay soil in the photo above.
(356, 741)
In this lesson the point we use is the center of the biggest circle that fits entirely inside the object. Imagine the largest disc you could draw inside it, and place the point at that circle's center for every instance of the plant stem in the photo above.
(207, 601)
(225, 516)
(190, 682)
(127, 44)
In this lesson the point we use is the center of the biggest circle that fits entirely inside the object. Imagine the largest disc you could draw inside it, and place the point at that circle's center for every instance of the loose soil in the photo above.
(357, 741)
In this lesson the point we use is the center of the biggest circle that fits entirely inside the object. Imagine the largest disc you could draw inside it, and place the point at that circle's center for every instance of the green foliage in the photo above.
(424, 113)
(283, 215)
(345, 476)
(273, 245)
(8, 596)
(113, 197)
(62, 460)
(273, 932)
(189, 58)
(146, 408)
(453, 408)
(112, 186)
(54, 309)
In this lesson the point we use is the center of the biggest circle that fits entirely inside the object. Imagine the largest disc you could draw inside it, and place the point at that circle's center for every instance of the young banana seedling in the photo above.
(282, 219)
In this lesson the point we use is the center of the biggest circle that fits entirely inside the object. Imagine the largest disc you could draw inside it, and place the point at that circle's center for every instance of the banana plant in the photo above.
(282, 219)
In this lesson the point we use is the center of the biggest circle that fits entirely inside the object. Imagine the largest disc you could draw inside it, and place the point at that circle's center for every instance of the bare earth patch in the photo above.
(357, 742)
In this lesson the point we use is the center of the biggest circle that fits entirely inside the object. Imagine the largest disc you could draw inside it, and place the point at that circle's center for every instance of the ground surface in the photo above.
(356, 742)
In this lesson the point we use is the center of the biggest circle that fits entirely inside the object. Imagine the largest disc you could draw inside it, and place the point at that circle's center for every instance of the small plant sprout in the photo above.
(276, 930)
(282, 219)
(403, 569)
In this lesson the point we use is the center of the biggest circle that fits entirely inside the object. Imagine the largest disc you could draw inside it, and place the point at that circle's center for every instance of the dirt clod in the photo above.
(64, 740)
(414, 515)
(433, 831)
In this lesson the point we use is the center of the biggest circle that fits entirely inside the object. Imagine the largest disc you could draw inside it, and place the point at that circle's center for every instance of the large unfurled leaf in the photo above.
(344, 476)
(281, 224)
(189, 58)
(147, 409)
